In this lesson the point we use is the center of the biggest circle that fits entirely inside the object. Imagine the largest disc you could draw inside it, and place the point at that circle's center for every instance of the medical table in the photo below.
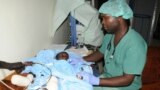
(82, 51)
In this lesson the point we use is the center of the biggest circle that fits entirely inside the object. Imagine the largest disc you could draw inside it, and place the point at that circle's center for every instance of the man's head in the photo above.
(113, 12)
(62, 56)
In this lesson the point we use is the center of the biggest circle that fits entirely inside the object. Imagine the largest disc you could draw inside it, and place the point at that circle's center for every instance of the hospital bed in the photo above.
(82, 51)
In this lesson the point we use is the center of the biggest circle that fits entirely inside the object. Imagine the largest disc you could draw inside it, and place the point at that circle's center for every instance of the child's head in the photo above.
(62, 55)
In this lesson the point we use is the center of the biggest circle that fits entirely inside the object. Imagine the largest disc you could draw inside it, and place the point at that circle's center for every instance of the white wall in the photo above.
(62, 34)
(25, 27)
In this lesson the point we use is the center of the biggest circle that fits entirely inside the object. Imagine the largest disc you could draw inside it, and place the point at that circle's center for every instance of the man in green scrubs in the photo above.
(123, 50)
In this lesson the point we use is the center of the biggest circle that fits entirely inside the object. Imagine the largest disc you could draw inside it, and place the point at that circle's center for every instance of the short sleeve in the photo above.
(135, 59)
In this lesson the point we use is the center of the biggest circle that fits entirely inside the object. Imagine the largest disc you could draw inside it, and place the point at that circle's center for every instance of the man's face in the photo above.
(109, 23)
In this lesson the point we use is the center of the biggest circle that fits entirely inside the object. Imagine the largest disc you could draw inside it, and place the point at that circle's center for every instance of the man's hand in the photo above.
(28, 63)
(14, 66)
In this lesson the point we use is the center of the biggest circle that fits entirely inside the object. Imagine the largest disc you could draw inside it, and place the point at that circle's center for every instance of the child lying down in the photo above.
(59, 67)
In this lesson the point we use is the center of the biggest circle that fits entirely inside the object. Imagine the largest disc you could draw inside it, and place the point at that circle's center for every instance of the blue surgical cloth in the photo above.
(116, 8)
(46, 66)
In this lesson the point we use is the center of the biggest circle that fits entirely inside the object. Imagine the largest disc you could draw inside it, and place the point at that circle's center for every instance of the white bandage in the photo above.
(52, 84)
(22, 80)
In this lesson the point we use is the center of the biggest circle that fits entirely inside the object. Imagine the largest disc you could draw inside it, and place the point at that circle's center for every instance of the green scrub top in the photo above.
(129, 57)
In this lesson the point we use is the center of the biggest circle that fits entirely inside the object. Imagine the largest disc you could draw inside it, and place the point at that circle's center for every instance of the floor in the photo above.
(151, 73)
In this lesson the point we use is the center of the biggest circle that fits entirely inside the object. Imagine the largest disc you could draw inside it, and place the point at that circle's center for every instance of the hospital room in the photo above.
(79, 44)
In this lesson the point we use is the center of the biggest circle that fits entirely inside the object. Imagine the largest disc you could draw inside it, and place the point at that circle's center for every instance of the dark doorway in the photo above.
(156, 34)
(100, 2)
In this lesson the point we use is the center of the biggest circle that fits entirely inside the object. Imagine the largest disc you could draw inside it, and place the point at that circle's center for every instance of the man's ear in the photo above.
(120, 19)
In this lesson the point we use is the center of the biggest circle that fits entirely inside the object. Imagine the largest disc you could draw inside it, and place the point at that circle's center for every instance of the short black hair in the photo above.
(127, 22)
(57, 56)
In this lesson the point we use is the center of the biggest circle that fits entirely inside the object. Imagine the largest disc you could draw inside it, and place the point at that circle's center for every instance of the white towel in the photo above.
(52, 84)
(62, 10)
(85, 14)
(21, 80)
(88, 16)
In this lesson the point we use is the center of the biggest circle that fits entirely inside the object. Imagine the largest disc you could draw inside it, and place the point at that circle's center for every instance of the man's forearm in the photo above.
(94, 57)
(2, 64)
(11, 66)
(117, 81)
